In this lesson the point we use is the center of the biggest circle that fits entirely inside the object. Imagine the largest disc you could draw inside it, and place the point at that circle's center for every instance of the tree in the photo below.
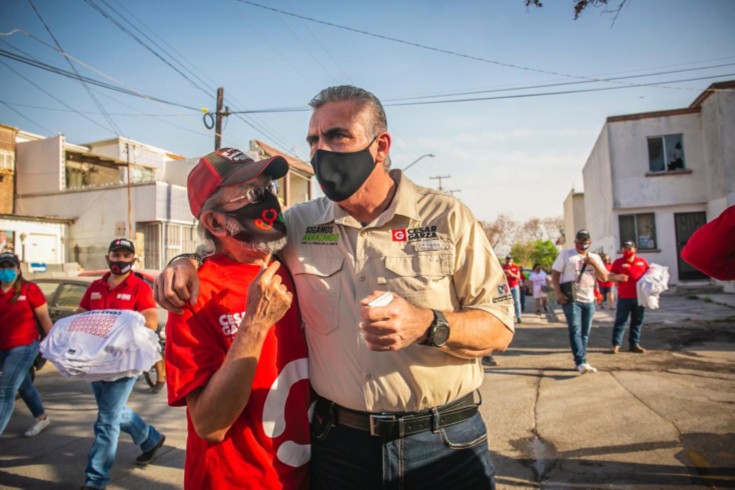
(544, 252)
(501, 232)
(580, 5)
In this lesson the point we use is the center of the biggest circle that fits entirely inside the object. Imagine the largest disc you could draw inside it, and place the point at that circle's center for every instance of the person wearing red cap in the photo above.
(401, 295)
(237, 359)
(21, 304)
(118, 289)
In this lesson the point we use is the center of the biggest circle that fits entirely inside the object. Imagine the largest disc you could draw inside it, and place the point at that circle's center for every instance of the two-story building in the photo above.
(656, 177)
(105, 189)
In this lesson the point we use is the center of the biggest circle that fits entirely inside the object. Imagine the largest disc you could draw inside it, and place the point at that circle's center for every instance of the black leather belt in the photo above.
(397, 425)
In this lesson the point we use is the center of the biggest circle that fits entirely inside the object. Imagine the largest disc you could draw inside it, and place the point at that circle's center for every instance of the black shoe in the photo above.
(489, 361)
(149, 455)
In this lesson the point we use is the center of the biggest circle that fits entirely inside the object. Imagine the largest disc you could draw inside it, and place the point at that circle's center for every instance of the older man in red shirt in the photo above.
(627, 270)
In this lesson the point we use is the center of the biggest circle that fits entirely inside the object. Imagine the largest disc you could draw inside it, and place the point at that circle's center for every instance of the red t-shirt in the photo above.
(131, 294)
(512, 281)
(634, 270)
(268, 445)
(607, 284)
(18, 320)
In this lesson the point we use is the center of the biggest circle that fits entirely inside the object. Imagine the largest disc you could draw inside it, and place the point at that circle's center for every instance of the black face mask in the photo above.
(261, 222)
(341, 174)
(120, 267)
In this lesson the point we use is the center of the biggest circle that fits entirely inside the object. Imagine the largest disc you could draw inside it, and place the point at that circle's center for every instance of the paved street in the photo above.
(663, 419)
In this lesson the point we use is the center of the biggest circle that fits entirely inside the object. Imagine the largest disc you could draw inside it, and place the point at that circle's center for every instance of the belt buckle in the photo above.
(375, 421)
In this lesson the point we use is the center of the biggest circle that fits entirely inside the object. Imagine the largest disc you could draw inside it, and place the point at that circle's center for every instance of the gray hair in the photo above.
(210, 244)
(377, 121)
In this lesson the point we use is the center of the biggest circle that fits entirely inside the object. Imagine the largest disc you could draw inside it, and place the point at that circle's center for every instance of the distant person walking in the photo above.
(606, 287)
(21, 304)
(574, 274)
(627, 270)
(539, 280)
(513, 276)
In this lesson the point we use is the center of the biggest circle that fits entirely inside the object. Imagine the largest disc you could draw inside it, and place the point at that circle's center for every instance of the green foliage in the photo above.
(543, 252)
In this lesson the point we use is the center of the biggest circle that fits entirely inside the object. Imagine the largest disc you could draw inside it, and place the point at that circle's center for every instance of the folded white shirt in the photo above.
(102, 344)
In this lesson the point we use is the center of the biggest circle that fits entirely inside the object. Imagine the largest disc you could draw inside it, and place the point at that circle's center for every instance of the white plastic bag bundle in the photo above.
(654, 282)
(102, 345)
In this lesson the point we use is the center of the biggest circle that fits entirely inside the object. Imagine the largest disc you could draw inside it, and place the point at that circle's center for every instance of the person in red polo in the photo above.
(627, 270)
(119, 289)
(513, 276)
(22, 304)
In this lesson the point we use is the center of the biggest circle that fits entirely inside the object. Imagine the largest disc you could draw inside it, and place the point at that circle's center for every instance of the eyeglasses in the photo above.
(254, 195)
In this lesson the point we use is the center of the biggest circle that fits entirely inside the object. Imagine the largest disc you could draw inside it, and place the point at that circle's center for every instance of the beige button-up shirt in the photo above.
(426, 247)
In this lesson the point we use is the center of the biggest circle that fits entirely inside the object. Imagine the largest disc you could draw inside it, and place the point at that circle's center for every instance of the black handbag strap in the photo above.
(579, 277)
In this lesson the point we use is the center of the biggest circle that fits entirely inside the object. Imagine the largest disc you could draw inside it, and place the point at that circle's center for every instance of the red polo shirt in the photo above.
(512, 281)
(18, 320)
(634, 270)
(131, 294)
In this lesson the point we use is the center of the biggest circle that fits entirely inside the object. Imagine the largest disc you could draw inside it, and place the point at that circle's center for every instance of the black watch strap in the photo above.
(187, 256)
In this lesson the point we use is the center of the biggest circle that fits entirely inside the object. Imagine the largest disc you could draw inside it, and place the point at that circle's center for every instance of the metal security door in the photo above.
(686, 225)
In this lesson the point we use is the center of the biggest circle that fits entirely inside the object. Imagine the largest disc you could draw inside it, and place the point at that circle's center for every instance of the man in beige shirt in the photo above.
(396, 375)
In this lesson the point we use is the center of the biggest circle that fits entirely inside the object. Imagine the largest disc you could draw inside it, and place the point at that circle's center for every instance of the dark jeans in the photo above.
(579, 321)
(628, 307)
(455, 457)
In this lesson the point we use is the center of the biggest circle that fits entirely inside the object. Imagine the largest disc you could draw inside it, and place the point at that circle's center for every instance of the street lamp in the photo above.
(416, 161)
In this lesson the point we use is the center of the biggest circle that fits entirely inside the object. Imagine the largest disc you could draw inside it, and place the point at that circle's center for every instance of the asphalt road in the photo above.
(660, 420)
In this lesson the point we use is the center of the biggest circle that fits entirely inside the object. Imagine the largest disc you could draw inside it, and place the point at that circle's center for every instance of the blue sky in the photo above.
(517, 155)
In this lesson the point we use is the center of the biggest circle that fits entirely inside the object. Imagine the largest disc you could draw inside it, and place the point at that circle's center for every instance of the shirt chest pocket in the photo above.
(424, 277)
(318, 288)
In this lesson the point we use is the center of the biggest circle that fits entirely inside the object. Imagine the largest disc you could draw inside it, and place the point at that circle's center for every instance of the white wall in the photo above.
(629, 160)
(598, 201)
(43, 242)
(39, 166)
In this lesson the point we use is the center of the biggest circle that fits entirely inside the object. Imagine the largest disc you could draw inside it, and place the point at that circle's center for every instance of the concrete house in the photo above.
(656, 177)
(111, 188)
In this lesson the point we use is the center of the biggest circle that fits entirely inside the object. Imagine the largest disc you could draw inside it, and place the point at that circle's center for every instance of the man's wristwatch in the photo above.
(196, 257)
(438, 331)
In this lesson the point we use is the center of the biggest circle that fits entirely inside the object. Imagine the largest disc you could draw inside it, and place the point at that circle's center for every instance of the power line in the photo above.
(71, 65)
(55, 98)
(434, 49)
(60, 71)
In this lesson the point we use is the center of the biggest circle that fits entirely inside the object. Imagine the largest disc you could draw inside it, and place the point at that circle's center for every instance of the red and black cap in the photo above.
(226, 167)
(118, 243)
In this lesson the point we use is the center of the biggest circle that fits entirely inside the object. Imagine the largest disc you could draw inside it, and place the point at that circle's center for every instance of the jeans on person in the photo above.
(628, 306)
(30, 396)
(112, 417)
(515, 291)
(455, 457)
(15, 364)
(579, 320)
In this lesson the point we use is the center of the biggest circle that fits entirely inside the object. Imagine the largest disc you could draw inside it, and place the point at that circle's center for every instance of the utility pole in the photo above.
(130, 194)
(453, 191)
(219, 114)
(439, 178)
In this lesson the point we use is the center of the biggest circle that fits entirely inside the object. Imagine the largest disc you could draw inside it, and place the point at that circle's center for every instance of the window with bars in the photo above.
(639, 229)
